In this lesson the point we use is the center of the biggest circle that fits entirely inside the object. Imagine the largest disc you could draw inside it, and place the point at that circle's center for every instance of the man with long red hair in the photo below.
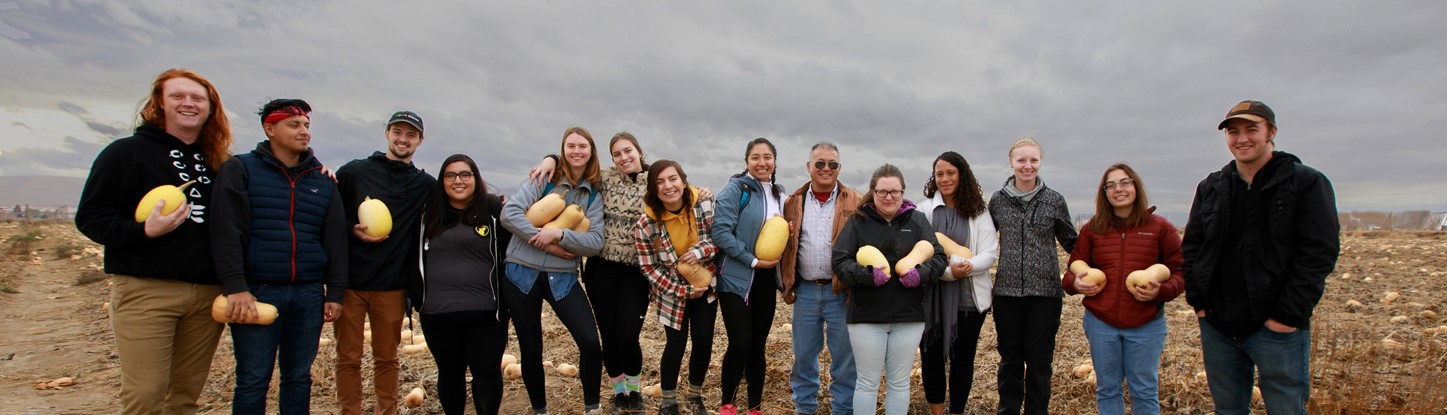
(163, 275)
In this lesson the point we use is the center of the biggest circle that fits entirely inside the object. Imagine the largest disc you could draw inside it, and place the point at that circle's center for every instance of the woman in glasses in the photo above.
(463, 249)
(886, 308)
(1125, 322)
(1031, 218)
(955, 308)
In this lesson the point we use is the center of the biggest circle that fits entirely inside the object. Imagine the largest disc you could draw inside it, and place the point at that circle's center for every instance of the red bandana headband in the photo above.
(282, 114)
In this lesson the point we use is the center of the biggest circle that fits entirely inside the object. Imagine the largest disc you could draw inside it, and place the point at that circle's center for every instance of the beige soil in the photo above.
(54, 325)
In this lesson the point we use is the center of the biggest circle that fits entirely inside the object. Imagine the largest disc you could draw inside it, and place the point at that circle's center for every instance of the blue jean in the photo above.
(817, 309)
(886, 349)
(1284, 360)
(1121, 355)
(289, 343)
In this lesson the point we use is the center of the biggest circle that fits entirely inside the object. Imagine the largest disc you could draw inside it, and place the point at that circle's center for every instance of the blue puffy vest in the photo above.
(288, 208)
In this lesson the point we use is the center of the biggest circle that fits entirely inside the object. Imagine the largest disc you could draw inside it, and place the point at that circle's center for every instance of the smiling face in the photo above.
(1119, 191)
(626, 157)
(576, 151)
(460, 183)
(290, 136)
(947, 179)
(823, 179)
(670, 188)
(761, 161)
(1249, 141)
(888, 195)
(402, 141)
(186, 106)
(1025, 163)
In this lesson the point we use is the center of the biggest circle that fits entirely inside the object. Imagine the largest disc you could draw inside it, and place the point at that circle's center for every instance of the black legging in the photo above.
(698, 318)
(619, 294)
(748, 327)
(576, 315)
(462, 341)
(1026, 329)
(962, 363)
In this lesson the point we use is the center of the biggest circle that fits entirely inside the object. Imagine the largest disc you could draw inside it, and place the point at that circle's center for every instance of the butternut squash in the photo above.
(922, 251)
(545, 209)
(1143, 278)
(870, 256)
(374, 214)
(513, 371)
(583, 225)
(173, 195)
(696, 275)
(414, 399)
(772, 237)
(1092, 275)
(267, 312)
(952, 248)
(570, 217)
(567, 370)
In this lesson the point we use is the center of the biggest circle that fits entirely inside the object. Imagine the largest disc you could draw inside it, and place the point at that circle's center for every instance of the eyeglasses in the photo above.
(833, 165)
(1123, 183)
(463, 176)
(893, 194)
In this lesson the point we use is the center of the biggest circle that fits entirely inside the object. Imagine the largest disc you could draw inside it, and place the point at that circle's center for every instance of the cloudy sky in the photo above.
(1359, 88)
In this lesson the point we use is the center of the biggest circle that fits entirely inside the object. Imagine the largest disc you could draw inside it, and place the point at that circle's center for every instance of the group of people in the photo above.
(275, 226)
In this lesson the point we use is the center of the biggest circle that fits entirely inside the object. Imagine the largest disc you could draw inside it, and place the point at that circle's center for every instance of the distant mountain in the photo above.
(40, 190)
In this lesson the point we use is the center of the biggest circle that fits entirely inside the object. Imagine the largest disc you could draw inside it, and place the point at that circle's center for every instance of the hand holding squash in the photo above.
(910, 279)
(157, 224)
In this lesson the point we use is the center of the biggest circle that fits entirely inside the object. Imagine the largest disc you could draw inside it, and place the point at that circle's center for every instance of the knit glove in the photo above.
(879, 276)
(910, 279)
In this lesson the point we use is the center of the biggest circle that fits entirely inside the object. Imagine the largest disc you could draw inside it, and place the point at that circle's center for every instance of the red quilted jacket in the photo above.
(1120, 252)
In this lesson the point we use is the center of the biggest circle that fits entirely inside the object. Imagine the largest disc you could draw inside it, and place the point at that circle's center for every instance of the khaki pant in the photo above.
(165, 338)
(385, 310)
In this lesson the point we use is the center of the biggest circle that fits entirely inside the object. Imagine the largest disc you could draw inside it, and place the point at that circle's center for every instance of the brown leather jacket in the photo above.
(845, 204)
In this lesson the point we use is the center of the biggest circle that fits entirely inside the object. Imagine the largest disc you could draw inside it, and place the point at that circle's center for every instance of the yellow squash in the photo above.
(870, 256)
(772, 237)
(173, 196)
(374, 214)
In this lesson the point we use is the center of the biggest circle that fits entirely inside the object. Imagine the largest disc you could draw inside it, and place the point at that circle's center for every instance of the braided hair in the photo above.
(773, 175)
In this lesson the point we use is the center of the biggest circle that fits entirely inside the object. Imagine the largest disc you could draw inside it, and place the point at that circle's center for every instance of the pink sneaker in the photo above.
(728, 410)
(755, 412)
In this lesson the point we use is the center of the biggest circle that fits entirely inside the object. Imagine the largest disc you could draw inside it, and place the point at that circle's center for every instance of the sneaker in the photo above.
(620, 403)
(728, 410)
(695, 406)
(669, 410)
(634, 403)
(755, 412)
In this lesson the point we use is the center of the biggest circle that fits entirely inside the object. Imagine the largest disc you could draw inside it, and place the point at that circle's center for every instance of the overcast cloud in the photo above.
(1359, 87)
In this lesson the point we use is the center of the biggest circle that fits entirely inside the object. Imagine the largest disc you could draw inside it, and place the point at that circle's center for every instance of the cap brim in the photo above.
(409, 122)
(1252, 118)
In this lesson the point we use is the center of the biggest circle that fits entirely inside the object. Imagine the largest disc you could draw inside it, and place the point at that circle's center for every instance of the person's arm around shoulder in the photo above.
(334, 242)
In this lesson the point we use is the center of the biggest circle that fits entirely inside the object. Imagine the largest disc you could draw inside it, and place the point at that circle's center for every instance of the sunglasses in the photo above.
(833, 165)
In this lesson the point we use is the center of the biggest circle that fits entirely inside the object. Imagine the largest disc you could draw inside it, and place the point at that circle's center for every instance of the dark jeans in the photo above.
(289, 343)
(619, 294)
(962, 363)
(463, 341)
(1026, 327)
(698, 318)
(575, 314)
(747, 324)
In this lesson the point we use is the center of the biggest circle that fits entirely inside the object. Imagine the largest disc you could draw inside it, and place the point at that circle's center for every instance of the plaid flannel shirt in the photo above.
(656, 258)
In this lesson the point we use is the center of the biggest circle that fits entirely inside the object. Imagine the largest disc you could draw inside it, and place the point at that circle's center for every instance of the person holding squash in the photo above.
(1031, 218)
(671, 237)
(747, 283)
(886, 310)
(1125, 321)
(161, 267)
(542, 266)
(955, 308)
(280, 238)
(617, 288)
(457, 289)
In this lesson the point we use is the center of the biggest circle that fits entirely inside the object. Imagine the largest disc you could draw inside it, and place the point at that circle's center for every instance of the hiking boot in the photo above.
(620, 403)
(633, 403)
(695, 406)
(669, 410)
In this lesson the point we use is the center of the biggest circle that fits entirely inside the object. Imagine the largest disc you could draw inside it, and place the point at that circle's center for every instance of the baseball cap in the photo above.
(1255, 111)
(412, 118)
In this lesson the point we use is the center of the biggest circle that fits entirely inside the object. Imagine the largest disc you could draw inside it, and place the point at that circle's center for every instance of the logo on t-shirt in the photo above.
(483, 231)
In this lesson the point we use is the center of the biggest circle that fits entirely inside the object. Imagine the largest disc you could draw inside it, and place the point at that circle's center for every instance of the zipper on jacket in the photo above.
(291, 215)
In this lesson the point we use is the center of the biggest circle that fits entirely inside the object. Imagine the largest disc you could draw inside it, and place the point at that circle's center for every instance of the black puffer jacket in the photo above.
(891, 302)
(1288, 246)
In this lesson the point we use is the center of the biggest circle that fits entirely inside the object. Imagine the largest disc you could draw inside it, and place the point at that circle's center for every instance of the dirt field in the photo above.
(1364, 361)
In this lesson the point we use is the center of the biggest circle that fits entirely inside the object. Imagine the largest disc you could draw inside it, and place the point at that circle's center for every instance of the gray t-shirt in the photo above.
(458, 271)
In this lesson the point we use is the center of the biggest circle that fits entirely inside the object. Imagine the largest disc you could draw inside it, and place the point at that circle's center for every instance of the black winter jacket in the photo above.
(1289, 245)
(403, 187)
(891, 302)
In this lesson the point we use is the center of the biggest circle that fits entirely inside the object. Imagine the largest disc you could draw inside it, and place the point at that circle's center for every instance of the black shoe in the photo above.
(620, 403)
(634, 403)
(695, 406)
(669, 410)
